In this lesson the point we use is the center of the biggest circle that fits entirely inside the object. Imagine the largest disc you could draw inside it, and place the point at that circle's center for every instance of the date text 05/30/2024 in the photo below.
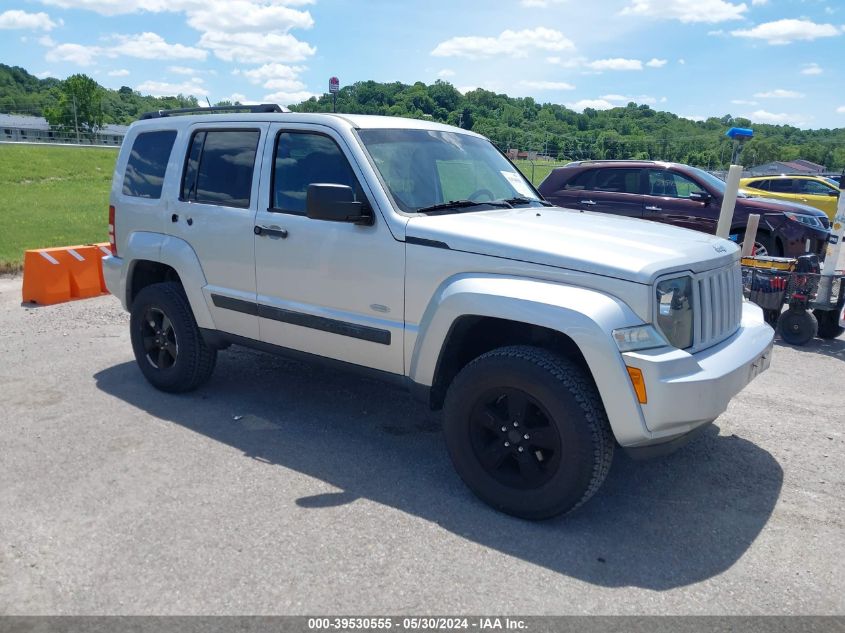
(415, 623)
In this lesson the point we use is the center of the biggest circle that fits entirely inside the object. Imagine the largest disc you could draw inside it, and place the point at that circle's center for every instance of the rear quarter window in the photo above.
(144, 175)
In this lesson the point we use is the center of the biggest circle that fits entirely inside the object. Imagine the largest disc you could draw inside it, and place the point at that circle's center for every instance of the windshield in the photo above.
(425, 168)
(717, 183)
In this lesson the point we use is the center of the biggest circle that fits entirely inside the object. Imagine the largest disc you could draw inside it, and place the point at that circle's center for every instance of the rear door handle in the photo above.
(263, 230)
(653, 209)
(589, 202)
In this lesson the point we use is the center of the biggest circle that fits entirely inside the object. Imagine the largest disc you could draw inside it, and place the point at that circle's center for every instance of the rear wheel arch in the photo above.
(143, 273)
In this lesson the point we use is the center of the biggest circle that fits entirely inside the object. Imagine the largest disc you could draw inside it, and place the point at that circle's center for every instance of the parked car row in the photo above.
(687, 197)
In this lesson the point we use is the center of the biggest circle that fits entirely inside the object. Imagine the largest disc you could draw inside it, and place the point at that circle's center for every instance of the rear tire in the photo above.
(528, 391)
(828, 323)
(166, 340)
(797, 326)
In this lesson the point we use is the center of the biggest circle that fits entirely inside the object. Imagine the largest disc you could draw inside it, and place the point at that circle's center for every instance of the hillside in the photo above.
(633, 131)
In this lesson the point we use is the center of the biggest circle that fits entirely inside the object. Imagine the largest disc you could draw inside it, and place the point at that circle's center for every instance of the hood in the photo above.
(770, 205)
(625, 248)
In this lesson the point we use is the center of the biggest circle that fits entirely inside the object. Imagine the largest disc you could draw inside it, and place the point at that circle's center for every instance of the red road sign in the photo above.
(334, 85)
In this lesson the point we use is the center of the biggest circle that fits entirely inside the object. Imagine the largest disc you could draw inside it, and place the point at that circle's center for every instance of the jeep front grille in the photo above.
(719, 310)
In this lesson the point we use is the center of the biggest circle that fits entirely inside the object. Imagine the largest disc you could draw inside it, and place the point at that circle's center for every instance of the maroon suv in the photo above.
(684, 196)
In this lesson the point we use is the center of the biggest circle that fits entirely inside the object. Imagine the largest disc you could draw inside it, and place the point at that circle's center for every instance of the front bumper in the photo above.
(686, 390)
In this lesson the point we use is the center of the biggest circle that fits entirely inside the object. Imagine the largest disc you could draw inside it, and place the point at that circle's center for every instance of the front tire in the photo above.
(797, 326)
(764, 245)
(166, 340)
(527, 432)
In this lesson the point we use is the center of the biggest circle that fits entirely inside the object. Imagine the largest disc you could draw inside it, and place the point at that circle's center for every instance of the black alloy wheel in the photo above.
(513, 438)
(159, 339)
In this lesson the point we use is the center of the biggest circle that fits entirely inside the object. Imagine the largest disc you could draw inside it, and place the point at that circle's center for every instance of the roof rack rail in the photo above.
(256, 108)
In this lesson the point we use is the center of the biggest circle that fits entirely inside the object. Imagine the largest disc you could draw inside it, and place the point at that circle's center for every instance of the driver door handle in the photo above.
(591, 203)
(653, 208)
(263, 230)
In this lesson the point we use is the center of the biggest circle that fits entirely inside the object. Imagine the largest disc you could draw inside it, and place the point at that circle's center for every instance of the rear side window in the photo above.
(617, 180)
(759, 184)
(781, 185)
(144, 175)
(219, 167)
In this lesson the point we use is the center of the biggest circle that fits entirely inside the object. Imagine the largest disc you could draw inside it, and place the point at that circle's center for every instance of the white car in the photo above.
(418, 253)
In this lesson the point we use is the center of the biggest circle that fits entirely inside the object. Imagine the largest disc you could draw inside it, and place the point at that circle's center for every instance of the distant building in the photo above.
(792, 167)
(34, 129)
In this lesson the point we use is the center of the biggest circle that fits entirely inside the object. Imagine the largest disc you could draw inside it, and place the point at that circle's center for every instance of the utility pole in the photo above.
(75, 123)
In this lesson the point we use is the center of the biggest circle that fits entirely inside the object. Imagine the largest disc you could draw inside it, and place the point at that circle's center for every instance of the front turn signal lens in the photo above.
(637, 380)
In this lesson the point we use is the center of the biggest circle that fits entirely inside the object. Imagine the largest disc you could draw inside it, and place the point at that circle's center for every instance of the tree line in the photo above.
(630, 131)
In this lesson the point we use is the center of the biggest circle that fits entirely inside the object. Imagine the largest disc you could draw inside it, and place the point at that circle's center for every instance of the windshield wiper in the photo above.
(463, 204)
(521, 200)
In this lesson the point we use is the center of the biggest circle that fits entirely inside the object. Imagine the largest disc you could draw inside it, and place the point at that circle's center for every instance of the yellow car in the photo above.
(815, 191)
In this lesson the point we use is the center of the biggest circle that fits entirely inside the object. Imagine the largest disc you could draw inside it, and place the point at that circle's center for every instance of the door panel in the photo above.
(668, 201)
(627, 204)
(331, 288)
(216, 213)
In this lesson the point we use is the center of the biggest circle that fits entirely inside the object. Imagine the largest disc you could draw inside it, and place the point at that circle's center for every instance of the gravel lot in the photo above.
(285, 488)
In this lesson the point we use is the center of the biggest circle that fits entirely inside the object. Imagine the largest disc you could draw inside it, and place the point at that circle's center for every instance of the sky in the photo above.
(773, 61)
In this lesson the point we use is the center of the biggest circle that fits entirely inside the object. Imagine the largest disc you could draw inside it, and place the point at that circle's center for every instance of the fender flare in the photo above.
(586, 316)
(181, 257)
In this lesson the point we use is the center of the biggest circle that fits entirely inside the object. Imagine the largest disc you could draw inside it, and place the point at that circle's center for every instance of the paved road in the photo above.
(284, 488)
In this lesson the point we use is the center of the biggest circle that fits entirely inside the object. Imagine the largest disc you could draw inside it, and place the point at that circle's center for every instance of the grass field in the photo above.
(58, 196)
(52, 196)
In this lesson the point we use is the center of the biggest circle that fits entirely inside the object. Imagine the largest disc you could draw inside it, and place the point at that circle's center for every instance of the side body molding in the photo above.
(586, 316)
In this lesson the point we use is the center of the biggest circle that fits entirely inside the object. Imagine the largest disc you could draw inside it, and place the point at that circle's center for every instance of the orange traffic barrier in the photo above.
(54, 275)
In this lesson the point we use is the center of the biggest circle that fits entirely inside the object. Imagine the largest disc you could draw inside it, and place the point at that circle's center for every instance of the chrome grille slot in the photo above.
(719, 295)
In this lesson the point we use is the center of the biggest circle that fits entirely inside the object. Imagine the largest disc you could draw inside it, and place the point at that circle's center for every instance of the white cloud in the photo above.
(285, 85)
(74, 53)
(620, 99)
(787, 31)
(238, 16)
(693, 117)
(46, 40)
(143, 46)
(780, 93)
(616, 63)
(547, 85)
(812, 69)
(118, 73)
(511, 43)
(182, 70)
(164, 89)
(595, 104)
(686, 10)
(682, 61)
(446, 72)
(743, 102)
(655, 63)
(152, 46)
(287, 98)
(759, 3)
(540, 4)
(841, 109)
(16, 19)
(270, 71)
(256, 47)
(762, 116)
(44, 74)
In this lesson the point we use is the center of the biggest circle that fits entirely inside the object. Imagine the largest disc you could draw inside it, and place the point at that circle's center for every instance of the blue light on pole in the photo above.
(739, 135)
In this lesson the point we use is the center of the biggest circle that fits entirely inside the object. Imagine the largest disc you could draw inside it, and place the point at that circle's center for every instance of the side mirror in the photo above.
(335, 203)
(700, 196)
